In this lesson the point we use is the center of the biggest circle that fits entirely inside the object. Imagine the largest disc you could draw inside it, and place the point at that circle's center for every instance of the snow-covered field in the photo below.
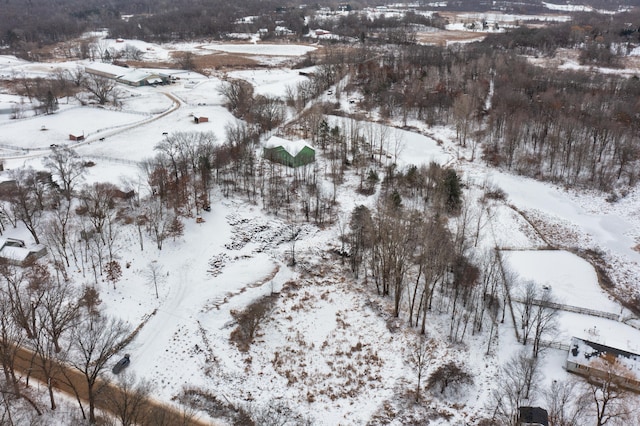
(330, 349)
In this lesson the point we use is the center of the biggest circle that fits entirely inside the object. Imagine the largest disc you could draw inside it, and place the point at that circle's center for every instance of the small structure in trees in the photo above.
(16, 252)
(290, 153)
(533, 416)
(597, 362)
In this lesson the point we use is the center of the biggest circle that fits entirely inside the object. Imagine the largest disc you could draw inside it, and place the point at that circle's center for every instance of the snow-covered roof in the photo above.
(123, 73)
(292, 147)
(15, 251)
(101, 67)
(135, 76)
(584, 352)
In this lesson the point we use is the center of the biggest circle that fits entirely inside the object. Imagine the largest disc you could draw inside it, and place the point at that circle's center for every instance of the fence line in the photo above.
(555, 345)
(570, 308)
(113, 160)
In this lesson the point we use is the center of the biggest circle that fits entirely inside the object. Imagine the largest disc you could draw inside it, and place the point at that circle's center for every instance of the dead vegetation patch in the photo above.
(441, 38)
(221, 60)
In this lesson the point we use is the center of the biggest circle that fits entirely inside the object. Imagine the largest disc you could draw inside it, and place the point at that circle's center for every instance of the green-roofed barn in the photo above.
(290, 153)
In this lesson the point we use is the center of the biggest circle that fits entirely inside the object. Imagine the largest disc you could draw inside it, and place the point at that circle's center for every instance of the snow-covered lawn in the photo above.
(331, 349)
(272, 82)
(570, 279)
(262, 49)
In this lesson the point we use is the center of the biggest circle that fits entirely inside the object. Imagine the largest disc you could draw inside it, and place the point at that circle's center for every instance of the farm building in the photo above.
(599, 362)
(533, 416)
(290, 153)
(16, 252)
(200, 119)
(132, 77)
(76, 136)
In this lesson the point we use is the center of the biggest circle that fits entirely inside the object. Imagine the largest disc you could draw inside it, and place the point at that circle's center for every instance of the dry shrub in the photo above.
(249, 319)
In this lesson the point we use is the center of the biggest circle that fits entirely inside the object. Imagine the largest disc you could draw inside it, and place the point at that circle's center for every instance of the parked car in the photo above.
(121, 365)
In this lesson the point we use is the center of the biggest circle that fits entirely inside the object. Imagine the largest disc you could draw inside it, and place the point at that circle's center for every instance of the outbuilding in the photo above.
(15, 251)
(533, 416)
(76, 136)
(599, 362)
(290, 153)
(200, 119)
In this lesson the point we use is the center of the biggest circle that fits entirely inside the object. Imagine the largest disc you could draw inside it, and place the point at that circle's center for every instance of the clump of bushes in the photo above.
(249, 319)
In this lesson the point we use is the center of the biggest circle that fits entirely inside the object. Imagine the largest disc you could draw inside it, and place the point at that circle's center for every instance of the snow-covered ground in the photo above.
(330, 349)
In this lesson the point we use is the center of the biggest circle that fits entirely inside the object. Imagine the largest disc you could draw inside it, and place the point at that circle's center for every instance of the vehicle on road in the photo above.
(121, 365)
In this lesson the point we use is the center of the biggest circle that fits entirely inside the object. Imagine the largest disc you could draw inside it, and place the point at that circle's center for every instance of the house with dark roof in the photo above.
(532, 416)
(596, 361)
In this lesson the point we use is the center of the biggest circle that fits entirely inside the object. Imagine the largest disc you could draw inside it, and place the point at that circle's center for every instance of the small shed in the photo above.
(76, 136)
(290, 153)
(200, 119)
(533, 416)
(15, 251)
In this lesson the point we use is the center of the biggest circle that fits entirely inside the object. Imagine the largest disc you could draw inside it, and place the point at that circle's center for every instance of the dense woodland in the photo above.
(418, 248)
(27, 27)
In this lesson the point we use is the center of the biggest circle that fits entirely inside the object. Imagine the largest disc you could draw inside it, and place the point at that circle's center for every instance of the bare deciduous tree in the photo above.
(239, 95)
(95, 341)
(28, 199)
(129, 400)
(610, 399)
(154, 275)
(67, 167)
(518, 383)
(102, 88)
(565, 404)
(419, 357)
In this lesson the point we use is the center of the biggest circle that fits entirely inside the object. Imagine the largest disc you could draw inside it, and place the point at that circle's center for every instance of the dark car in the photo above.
(121, 365)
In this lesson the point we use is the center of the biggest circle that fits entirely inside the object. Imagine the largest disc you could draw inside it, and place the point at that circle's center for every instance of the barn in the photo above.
(129, 76)
(290, 153)
(200, 119)
(76, 136)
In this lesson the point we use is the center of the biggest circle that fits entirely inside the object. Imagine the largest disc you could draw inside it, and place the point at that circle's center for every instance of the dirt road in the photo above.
(154, 413)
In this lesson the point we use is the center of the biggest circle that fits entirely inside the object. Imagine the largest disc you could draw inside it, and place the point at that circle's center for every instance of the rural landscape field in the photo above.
(341, 214)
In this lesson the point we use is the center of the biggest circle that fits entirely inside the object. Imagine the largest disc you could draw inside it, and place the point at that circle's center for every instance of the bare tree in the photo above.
(545, 319)
(154, 275)
(239, 95)
(158, 221)
(294, 236)
(419, 357)
(11, 336)
(517, 383)
(48, 358)
(26, 288)
(449, 375)
(129, 399)
(65, 165)
(56, 232)
(102, 88)
(565, 404)
(28, 199)
(526, 307)
(59, 311)
(611, 401)
(96, 340)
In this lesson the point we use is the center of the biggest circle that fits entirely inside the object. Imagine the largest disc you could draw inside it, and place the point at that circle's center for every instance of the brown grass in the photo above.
(440, 38)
